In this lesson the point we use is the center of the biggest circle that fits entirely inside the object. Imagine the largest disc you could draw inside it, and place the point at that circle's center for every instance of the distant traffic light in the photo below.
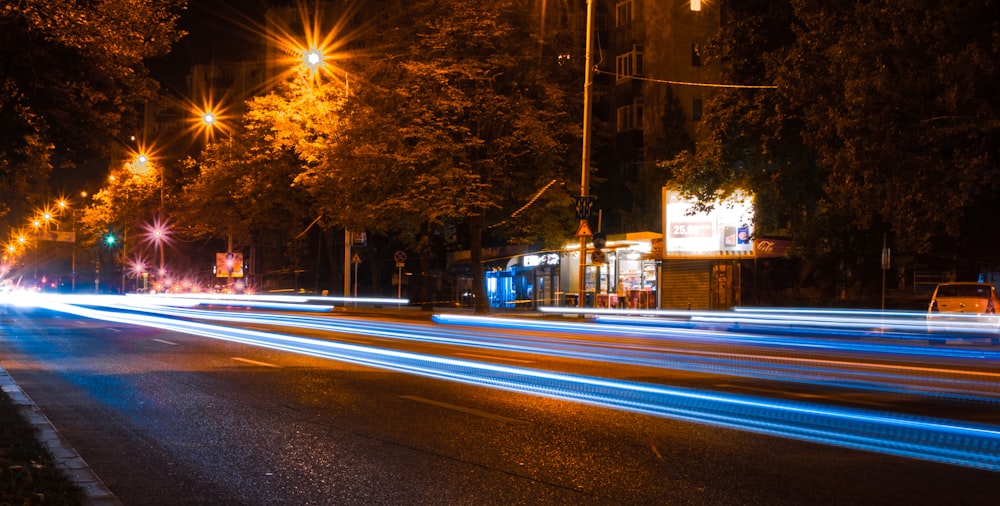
(110, 239)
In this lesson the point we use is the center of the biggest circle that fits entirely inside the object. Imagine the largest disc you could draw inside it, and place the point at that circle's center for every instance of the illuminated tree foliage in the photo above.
(885, 120)
(477, 103)
(462, 130)
(243, 192)
(70, 75)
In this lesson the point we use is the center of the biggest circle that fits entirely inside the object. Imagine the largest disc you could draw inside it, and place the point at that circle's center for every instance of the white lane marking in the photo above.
(491, 357)
(254, 362)
(171, 343)
(461, 409)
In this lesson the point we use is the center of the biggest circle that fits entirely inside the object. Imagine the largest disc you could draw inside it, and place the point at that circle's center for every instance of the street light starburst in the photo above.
(157, 232)
(313, 52)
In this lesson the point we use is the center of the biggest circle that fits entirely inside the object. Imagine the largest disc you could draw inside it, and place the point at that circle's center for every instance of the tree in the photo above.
(243, 191)
(466, 122)
(119, 209)
(488, 116)
(884, 121)
(70, 76)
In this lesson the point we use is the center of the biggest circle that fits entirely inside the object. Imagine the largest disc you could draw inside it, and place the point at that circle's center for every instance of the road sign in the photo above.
(359, 239)
(584, 204)
(356, 259)
(584, 230)
(399, 256)
(597, 257)
(600, 240)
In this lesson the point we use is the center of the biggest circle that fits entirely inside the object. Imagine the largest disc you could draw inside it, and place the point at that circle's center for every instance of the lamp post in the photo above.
(65, 204)
(585, 169)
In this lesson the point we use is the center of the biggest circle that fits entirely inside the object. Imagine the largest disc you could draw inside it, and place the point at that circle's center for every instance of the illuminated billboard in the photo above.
(229, 265)
(724, 232)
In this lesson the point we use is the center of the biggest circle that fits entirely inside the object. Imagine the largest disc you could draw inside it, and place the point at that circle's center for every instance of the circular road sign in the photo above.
(399, 256)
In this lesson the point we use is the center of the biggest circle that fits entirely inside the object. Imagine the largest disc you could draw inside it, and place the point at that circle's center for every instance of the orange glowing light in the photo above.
(313, 52)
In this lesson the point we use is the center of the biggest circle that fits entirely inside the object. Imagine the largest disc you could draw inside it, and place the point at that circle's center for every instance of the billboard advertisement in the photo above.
(724, 231)
(229, 265)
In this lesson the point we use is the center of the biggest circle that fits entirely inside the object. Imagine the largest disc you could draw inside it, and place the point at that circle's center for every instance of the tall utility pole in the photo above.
(585, 169)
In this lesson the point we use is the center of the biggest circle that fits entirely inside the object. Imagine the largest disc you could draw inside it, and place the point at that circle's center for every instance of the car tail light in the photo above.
(990, 308)
(934, 307)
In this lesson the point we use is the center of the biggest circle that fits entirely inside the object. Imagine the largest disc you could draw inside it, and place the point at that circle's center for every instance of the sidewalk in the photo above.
(95, 493)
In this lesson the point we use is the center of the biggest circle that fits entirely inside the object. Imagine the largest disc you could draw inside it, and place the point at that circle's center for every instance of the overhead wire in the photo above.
(687, 83)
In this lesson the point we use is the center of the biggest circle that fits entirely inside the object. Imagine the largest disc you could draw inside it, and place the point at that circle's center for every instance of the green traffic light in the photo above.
(110, 239)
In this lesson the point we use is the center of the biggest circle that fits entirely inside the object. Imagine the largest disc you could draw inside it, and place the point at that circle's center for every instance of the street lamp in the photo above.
(313, 59)
(158, 234)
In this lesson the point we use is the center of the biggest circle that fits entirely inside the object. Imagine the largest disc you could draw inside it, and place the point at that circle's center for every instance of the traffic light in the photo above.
(110, 239)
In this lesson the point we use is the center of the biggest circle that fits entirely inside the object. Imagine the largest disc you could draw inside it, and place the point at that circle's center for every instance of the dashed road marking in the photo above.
(254, 362)
(461, 409)
(171, 343)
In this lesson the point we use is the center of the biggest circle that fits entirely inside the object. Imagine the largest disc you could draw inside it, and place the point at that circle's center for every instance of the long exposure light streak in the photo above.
(977, 386)
(939, 440)
(838, 322)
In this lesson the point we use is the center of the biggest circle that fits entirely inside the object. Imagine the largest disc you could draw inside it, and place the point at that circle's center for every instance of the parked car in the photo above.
(965, 309)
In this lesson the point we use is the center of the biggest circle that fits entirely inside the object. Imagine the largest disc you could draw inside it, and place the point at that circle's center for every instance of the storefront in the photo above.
(703, 252)
(626, 278)
(528, 281)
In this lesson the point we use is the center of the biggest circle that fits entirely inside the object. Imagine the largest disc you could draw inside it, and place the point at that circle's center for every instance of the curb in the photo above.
(95, 493)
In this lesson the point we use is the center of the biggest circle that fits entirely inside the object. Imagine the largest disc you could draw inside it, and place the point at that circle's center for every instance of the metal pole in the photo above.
(347, 262)
(124, 253)
(585, 165)
(72, 254)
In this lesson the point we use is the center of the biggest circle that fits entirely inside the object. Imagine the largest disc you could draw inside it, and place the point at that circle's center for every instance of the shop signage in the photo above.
(771, 247)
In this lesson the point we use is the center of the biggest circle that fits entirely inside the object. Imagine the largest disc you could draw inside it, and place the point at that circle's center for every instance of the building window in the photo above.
(696, 109)
(629, 64)
(696, 55)
(630, 117)
(623, 66)
(624, 118)
(623, 13)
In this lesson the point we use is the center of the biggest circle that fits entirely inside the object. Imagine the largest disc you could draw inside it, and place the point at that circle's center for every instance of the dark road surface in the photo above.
(168, 418)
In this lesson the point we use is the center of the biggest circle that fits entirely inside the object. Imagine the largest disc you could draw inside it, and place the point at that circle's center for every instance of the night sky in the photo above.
(217, 30)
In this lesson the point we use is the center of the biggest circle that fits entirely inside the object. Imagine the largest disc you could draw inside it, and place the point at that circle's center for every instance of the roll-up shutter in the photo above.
(686, 284)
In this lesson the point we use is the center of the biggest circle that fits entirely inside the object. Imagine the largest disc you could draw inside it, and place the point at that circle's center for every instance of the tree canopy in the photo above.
(71, 74)
(884, 120)
(456, 124)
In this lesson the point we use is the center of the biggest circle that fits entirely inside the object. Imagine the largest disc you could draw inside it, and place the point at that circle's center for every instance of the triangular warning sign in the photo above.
(584, 230)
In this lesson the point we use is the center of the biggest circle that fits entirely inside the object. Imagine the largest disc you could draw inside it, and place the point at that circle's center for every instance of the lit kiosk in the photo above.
(703, 250)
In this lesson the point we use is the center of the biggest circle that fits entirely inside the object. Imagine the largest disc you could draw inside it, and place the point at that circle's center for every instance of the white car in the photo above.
(965, 308)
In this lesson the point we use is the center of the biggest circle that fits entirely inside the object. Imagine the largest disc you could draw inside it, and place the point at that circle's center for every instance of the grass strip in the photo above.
(28, 475)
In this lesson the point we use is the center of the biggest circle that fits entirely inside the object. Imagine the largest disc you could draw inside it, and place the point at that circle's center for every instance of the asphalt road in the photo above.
(170, 418)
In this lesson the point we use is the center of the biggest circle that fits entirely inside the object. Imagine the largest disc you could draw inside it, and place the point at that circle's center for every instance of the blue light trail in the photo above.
(655, 349)
(940, 440)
